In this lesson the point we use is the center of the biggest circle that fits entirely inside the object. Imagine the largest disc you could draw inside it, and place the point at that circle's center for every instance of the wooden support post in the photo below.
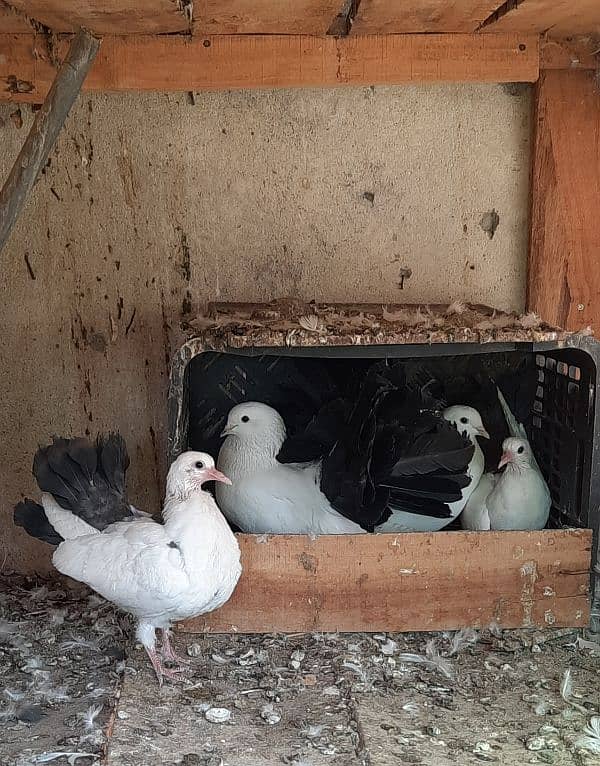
(45, 129)
(563, 284)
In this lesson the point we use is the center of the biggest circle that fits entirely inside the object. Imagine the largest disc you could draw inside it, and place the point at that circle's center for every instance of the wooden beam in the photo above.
(255, 17)
(564, 274)
(572, 53)
(11, 21)
(560, 17)
(406, 16)
(173, 62)
(438, 581)
(45, 129)
(110, 17)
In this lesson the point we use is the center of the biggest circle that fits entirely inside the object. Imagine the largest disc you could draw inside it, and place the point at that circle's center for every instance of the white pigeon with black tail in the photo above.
(355, 462)
(159, 573)
(468, 422)
(516, 499)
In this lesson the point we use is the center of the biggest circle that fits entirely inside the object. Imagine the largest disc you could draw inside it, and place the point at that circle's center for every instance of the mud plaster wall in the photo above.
(152, 205)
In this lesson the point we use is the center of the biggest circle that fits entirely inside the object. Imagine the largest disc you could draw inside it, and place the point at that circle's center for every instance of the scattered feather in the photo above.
(388, 648)
(457, 307)
(591, 739)
(586, 331)
(313, 731)
(88, 718)
(57, 616)
(461, 640)
(32, 664)
(79, 643)
(432, 658)
(530, 321)
(72, 757)
(309, 322)
(441, 663)
(8, 712)
(14, 694)
(566, 691)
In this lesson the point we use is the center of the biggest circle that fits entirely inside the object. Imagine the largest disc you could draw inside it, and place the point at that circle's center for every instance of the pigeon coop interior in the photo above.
(410, 581)
(372, 582)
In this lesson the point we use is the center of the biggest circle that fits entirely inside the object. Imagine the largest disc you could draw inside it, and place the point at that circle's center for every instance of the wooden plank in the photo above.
(439, 581)
(171, 63)
(287, 17)
(116, 17)
(570, 53)
(559, 17)
(45, 129)
(11, 21)
(564, 278)
(405, 16)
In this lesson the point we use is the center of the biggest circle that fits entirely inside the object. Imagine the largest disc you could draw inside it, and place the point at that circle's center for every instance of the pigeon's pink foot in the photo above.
(169, 654)
(171, 674)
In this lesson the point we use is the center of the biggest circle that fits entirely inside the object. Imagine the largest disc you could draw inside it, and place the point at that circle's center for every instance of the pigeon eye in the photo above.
(199, 464)
(521, 450)
(245, 418)
(464, 420)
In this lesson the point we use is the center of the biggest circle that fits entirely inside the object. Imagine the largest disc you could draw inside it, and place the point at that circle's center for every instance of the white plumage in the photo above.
(160, 573)
(467, 420)
(267, 496)
(517, 499)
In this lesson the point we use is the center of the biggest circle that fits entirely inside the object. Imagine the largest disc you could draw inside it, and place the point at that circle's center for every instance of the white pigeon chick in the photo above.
(160, 573)
(468, 421)
(267, 496)
(517, 499)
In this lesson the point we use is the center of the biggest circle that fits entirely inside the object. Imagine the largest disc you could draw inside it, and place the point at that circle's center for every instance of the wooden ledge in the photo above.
(407, 582)
(220, 62)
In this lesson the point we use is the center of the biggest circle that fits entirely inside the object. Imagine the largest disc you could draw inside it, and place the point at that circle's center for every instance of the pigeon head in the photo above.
(191, 470)
(516, 452)
(467, 420)
(256, 423)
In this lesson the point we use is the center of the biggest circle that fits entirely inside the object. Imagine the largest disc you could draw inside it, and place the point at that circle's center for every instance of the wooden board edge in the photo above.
(571, 53)
(294, 583)
(223, 62)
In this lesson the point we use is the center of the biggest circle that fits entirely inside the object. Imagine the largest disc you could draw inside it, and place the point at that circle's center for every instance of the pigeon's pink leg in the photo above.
(169, 653)
(161, 672)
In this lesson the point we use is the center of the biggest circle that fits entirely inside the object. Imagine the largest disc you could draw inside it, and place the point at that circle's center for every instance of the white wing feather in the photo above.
(129, 564)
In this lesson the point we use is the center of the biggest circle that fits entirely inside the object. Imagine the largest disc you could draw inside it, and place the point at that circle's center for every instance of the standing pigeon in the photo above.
(517, 499)
(160, 573)
(351, 465)
(468, 421)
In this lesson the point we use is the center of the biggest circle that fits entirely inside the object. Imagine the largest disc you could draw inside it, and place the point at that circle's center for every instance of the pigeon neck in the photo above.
(253, 451)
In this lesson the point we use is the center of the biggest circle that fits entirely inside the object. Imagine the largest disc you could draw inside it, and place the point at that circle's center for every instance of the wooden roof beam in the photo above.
(220, 62)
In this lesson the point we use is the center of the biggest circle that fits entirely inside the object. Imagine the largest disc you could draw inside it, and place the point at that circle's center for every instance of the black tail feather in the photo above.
(114, 460)
(29, 515)
(86, 479)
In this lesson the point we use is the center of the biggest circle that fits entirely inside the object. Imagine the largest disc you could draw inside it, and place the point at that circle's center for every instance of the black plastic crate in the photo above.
(561, 422)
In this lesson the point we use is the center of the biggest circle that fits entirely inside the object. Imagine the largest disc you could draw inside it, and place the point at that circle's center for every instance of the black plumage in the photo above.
(30, 515)
(387, 451)
(84, 478)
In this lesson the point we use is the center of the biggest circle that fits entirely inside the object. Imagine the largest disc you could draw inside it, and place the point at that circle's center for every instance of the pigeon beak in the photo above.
(213, 475)
(482, 432)
(227, 431)
(506, 458)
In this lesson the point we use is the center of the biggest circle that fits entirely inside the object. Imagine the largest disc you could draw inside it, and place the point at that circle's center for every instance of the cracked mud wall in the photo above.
(152, 205)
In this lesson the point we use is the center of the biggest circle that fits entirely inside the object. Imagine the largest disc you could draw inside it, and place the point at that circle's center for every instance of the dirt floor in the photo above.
(75, 690)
